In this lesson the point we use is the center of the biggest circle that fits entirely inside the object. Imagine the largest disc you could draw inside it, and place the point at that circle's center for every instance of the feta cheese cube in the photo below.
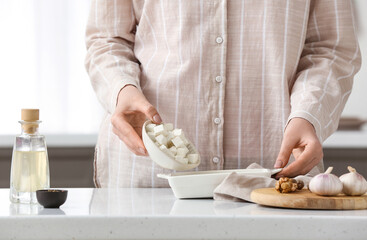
(165, 150)
(182, 159)
(162, 147)
(168, 126)
(158, 129)
(161, 139)
(173, 149)
(150, 127)
(178, 142)
(170, 154)
(170, 136)
(182, 151)
(151, 135)
(193, 158)
(178, 132)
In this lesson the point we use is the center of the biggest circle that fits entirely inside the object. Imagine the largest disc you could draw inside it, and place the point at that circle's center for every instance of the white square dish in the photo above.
(201, 184)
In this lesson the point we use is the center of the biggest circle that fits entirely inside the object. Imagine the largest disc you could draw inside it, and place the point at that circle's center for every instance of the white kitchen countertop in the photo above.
(156, 214)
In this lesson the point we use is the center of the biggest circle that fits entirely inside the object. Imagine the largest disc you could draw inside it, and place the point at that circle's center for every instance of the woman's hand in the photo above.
(131, 112)
(301, 140)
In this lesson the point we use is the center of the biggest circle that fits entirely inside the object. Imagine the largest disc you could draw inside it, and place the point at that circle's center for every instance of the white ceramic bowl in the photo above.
(161, 158)
(201, 184)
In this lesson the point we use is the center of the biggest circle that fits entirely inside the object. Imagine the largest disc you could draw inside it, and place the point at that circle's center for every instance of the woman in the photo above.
(248, 81)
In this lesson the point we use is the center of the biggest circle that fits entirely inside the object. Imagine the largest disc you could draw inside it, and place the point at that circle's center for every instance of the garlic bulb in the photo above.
(326, 184)
(354, 184)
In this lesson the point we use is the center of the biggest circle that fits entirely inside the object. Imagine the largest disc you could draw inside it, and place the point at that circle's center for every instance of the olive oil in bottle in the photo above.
(29, 168)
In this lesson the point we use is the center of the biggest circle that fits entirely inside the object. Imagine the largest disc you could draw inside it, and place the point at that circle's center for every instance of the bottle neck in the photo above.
(29, 128)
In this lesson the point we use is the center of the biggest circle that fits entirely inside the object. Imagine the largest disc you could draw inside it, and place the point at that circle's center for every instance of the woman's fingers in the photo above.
(149, 111)
(286, 149)
(128, 135)
(299, 138)
(132, 99)
(309, 158)
(128, 118)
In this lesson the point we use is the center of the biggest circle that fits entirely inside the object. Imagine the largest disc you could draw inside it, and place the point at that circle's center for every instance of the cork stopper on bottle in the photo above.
(31, 116)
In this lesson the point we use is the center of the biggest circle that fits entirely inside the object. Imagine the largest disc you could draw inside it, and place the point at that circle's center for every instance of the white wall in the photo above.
(42, 51)
(357, 103)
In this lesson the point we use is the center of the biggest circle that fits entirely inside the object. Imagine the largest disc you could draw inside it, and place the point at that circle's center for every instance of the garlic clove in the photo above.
(326, 184)
(354, 184)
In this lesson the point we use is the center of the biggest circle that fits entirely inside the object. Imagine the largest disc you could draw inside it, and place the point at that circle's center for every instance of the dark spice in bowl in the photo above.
(51, 198)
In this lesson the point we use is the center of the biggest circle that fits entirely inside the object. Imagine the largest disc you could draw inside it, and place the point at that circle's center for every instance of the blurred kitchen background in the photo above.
(42, 54)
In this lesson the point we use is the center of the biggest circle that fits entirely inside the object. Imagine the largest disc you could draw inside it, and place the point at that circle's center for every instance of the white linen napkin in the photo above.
(238, 187)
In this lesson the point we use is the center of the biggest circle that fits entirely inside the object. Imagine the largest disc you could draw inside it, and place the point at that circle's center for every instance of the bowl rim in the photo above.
(215, 173)
(51, 190)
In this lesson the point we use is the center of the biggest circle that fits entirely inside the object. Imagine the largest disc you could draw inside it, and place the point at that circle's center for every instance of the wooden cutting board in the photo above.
(306, 200)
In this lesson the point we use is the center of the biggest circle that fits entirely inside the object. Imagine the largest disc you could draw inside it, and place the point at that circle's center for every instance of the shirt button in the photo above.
(217, 120)
(219, 40)
(216, 160)
(218, 79)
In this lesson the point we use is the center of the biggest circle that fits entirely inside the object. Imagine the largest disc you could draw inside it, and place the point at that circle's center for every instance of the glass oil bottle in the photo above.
(29, 167)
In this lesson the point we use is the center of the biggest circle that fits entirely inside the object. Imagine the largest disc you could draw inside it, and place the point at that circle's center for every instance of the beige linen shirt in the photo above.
(230, 73)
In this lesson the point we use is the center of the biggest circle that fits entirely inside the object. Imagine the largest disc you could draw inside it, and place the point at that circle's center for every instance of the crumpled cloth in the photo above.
(237, 187)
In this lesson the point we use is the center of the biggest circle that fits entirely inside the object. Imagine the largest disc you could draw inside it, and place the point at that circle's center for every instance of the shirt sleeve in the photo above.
(110, 59)
(328, 63)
